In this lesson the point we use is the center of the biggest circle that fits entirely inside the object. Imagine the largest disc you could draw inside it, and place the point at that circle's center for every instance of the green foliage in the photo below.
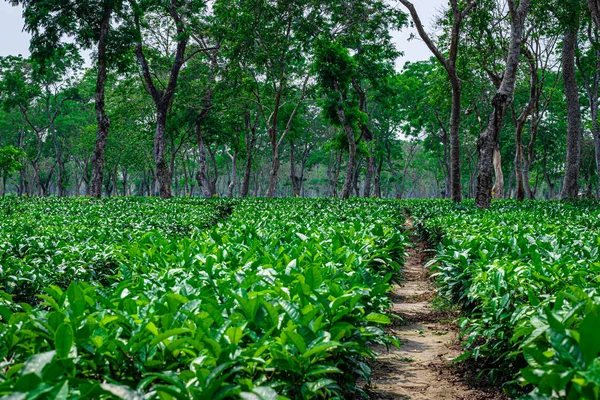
(10, 160)
(527, 276)
(251, 299)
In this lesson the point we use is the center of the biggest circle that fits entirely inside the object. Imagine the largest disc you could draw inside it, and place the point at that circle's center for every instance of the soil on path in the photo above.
(421, 368)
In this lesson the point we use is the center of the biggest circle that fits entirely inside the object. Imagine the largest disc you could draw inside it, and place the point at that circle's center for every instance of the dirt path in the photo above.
(419, 369)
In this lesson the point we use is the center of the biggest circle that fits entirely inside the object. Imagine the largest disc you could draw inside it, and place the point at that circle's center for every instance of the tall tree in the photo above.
(173, 20)
(459, 13)
(571, 89)
(488, 141)
(92, 25)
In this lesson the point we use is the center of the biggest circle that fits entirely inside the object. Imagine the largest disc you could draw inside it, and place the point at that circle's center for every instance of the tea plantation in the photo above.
(526, 277)
(180, 299)
(138, 298)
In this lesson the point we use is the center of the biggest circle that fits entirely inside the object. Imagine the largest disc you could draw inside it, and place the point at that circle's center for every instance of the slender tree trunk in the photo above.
(233, 176)
(294, 179)
(213, 182)
(393, 171)
(274, 172)
(377, 184)
(370, 172)
(101, 118)
(489, 139)
(596, 135)
(202, 176)
(573, 160)
(455, 175)
(58, 154)
(529, 158)
(499, 183)
(519, 163)
(352, 148)
(164, 175)
(250, 141)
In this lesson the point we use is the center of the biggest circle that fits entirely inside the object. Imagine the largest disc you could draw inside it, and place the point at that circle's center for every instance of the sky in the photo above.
(14, 41)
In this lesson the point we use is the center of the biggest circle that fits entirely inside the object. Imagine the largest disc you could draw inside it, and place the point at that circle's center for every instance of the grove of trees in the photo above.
(303, 98)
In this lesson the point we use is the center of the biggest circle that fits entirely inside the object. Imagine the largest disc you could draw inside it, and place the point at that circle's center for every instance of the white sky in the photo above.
(14, 41)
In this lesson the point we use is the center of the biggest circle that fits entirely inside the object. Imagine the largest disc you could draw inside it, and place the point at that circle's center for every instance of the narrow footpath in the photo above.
(421, 368)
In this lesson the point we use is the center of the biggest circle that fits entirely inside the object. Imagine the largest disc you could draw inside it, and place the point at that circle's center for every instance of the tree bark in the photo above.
(274, 172)
(499, 184)
(164, 175)
(573, 160)
(489, 139)
(201, 175)
(369, 173)
(351, 162)
(101, 118)
(250, 142)
(233, 176)
(594, 6)
(294, 179)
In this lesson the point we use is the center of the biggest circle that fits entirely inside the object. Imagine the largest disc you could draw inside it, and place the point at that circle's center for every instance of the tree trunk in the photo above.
(202, 176)
(101, 118)
(250, 141)
(393, 171)
(352, 147)
(530, 155)
(519, 156)
(499, 184)
(571, 182)
(233, 177)
(489, 139)
(370, 172)
(163, 172)
(274, 172)
(295, 180)
(338, 169)
(455, 175)
(377, 184)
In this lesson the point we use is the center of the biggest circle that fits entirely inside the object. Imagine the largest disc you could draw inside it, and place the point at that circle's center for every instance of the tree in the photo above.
(488, 141)
(571, 20)
(9, 163)
(94, 24)
(449, 64)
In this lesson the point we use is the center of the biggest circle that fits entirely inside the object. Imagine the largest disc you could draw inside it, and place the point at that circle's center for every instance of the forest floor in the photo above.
(422, 367)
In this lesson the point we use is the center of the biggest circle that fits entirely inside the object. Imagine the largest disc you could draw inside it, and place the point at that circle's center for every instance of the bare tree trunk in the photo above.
(530, 155)
(370, 172)
(337, 173)
(247, 174)
(489, 139)
(101, 118)
(213, 182)
(164, 174)
(294, 179)
(498, 189)
(573, 160)
(274, 172)
(201, 175)
(233, 176)
(352, 148)
(250, 142)
(377, 184)
(455, 175)
(393, 171)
